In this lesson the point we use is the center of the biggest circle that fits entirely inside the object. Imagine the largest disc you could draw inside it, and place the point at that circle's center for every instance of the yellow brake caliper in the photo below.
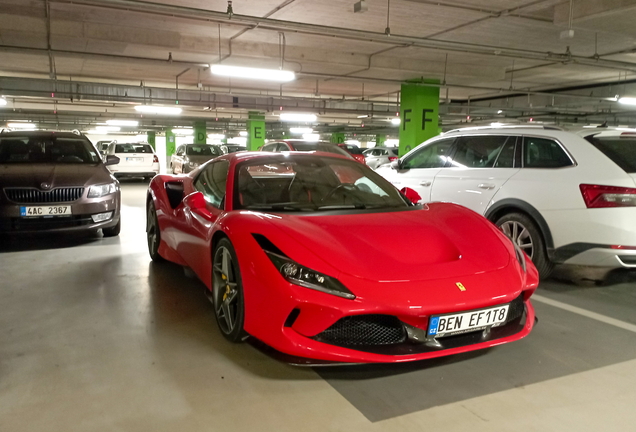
(227, 287)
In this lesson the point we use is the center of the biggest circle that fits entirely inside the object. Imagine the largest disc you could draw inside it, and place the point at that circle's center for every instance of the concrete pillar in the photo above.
(419, 112)
(255, 131)
(379, 140)
(152, 139)
(171, 143)
(200, 132)
(338, 138)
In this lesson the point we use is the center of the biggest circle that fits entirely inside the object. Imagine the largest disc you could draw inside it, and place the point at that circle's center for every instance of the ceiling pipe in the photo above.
(352, 34)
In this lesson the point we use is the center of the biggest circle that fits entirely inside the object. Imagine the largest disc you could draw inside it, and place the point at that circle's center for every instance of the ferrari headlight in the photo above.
(305, 277)
(101, 190)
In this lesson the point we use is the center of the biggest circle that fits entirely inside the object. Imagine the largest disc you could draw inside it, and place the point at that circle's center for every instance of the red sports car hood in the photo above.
(441, 239)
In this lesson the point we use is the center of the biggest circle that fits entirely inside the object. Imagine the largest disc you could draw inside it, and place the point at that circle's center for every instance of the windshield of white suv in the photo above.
(310, 183)
(47, 149)
(133, 148)
(620, 149)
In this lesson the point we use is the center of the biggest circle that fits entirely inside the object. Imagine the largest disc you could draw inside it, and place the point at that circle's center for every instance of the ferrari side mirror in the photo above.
(412, 196)
(195, 201)
(396, 165)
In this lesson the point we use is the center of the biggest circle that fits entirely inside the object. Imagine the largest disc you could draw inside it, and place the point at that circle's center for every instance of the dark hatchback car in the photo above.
(56, 181)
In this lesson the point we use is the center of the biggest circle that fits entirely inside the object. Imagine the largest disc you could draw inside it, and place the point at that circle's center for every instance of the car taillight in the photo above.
(598, 196)
(392, 158)
(155, 159)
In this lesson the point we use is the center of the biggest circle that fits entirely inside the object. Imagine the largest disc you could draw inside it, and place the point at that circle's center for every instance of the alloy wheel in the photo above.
(226, 299)
(520, 236)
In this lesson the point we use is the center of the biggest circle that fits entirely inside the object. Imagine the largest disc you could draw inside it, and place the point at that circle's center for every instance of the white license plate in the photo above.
(463, 322)
(45, 211)
(133, 159)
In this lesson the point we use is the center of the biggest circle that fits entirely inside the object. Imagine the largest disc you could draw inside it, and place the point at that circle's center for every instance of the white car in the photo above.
(563, 197)
(135, 160)
(379, 156)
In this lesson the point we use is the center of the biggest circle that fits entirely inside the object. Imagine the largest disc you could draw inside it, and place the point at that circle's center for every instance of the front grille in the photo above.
(43, 224)
(35, 196)
(516, 309)
(365, 330)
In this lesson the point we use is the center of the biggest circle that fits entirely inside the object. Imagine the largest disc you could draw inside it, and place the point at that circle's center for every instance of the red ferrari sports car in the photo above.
(287, 245)
(355, 152)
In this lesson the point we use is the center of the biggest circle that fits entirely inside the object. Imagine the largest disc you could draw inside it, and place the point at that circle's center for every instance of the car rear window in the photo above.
(202, 150)
(133, 148)
(621, 150)
(47, 149)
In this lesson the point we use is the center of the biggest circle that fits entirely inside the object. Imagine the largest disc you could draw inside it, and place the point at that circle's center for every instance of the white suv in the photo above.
(135, 160)
(563, 197)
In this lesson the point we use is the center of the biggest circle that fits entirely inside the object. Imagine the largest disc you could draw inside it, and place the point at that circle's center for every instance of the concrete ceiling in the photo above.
(494, 53)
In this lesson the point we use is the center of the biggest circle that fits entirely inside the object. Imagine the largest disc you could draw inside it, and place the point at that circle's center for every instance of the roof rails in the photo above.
(520, 126)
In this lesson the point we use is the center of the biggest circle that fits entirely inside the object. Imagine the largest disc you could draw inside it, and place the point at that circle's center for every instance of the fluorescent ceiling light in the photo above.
(353, 142)
(499, 112)
(96, 132)
(300, 130)
(216, 136)
(183, 131)
(122, 122)
(364, 116)
(108, 128)
(151, 109)
(311, 137)
(243, 133)
(22, 125)
(395, 121)
(299, 117)
(253, 73)
(3, 101)
(627, 101)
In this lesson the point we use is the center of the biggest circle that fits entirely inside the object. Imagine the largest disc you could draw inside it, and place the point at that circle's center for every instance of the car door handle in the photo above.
(486, 186)
(425, 183)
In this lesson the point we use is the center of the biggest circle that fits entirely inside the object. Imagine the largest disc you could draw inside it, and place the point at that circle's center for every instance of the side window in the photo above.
(385, 153)
(180, 151)
(544, 153)
(211, 182)
(270, 147)
(282, 147)
(432, 155)
(376, 152)
(478, 151)
(506, 158)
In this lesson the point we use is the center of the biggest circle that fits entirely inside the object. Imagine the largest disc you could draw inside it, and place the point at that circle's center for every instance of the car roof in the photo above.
(40, 134)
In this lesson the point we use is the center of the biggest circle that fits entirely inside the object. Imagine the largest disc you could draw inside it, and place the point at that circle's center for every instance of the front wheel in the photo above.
(153, 234)
(523, 231)
(227, 291)
(112, 231)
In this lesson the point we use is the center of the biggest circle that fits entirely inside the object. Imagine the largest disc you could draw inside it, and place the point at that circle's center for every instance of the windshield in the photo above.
(47, 149)
(328, 148)
(133, 148)
(202, 150)
(621, 150)
(311, 183)
(352, 149)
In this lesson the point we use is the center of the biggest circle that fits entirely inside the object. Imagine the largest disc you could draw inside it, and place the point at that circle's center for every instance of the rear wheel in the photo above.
(112, 231)
(227, 291)
(153, 234)
(525, 233)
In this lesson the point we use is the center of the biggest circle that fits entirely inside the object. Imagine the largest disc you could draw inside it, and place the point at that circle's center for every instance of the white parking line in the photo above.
(584, 312)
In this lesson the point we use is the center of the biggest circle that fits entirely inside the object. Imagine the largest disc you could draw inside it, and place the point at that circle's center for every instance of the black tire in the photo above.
(227, 292)
(525, 233)
(112, 231)
(153, 233)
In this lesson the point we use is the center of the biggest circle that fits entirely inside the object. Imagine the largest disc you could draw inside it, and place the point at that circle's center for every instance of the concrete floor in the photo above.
(95, 337)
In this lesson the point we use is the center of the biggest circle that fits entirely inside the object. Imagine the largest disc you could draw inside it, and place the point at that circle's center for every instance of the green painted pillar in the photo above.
(171, 143)
(379, 140)
(200, 132)
(338, 137)
(255, 131)
(419, 112)
(152, 139)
